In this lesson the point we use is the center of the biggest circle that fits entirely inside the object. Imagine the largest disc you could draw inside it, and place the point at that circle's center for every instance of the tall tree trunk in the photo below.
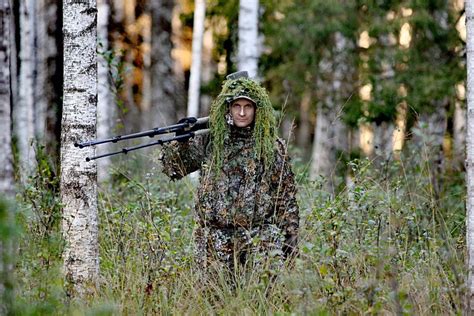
(330, 137)
(78, 177)
(459, 134)
(6, 167)
(166, 92)
(470, 157)
(433, 127)
(304, 129)
(398, 138)
(383, 139)
(208, 70)
(105, 102)
(48, 83)
(321, 163)
(24, 111)
(126, 43)
(383, 130)
(330, 140)
(41, 88)
(248, 52)
(366, 138)
(195, 77)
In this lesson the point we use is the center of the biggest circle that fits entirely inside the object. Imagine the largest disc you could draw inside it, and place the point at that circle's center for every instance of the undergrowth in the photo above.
(385, 244)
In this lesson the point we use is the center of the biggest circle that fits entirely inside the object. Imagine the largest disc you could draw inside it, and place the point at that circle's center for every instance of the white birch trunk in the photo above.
(330, 136)
(433, 127)
(366, 138)
(6, 157)
(208, 70)
(383, 139)
(287, 128)
(459, 137)
(398, 136)
(146, 22)
(470, 157)
(78, 177)
(321, 163)
(195, 76)
(248, 48)
(41, 89)
(105, 102)
(24, 110)
(13, 67)
(304, 129)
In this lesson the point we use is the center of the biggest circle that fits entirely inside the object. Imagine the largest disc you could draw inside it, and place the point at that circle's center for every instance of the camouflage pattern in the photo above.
(244, 210)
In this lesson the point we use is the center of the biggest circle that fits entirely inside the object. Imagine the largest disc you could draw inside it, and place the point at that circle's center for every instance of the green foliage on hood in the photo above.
(264, 133)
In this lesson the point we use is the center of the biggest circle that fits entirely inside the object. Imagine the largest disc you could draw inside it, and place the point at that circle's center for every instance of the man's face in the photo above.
(243, 112)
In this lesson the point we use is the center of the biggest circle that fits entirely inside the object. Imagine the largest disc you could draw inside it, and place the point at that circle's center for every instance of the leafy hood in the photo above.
(264, 128)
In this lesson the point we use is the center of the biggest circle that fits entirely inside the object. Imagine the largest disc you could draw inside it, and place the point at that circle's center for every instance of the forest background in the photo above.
(370, 96)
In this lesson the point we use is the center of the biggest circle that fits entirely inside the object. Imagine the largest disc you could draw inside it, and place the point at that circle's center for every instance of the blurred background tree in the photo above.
(349, 78)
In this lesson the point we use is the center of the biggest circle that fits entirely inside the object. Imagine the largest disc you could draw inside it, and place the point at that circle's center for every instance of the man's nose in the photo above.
(242, 113)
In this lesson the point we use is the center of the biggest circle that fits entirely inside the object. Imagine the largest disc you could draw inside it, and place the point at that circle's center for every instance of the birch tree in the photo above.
(304, 126)
(248, 49)
(384, 127)
(41, 89)
(195, 77)
(433, 127)
(335, 90)
(24, 110)
(6, 167)
(459, 131)
(470, 156)
(105, 101)
(433, 119)
(78, 177)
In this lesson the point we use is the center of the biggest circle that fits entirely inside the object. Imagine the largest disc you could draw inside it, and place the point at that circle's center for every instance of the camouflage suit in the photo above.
(243, 207)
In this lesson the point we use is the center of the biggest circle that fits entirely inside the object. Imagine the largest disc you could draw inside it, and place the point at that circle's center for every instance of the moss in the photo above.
(265, 133)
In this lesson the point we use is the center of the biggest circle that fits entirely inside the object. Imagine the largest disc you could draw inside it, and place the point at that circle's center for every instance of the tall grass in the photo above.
(387, 243)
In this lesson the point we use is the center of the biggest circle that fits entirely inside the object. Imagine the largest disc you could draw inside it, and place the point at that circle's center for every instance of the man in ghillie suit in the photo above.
(246, 209)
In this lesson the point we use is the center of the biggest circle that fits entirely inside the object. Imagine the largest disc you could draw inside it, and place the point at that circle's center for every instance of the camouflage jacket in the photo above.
(243, 202)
